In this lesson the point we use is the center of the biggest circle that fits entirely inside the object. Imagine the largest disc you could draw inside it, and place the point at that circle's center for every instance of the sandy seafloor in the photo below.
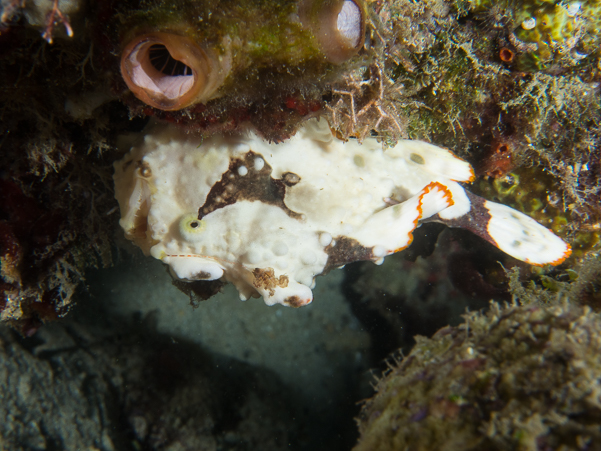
(318, 357)
(134, 366)
(312, 348)
(318, 350)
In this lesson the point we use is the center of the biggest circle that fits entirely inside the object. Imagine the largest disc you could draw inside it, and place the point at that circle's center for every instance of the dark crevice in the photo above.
(161, 60)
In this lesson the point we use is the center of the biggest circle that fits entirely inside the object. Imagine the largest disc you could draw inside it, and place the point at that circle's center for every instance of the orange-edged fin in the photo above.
(391, 229)
(523, 238)
(433, 198)
(511, 231)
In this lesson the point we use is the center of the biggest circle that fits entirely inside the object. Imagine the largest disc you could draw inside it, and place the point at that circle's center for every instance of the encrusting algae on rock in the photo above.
(544, 33)
(517, 377)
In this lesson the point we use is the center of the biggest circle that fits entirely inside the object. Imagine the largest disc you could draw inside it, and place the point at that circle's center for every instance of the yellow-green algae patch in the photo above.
(544, 32)
(534, 191)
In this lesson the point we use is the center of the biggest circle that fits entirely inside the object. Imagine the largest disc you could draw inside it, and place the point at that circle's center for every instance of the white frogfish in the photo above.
(270, 217)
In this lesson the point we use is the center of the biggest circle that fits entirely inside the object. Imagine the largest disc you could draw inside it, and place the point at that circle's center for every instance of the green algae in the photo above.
(516, 377)
(261, 33)
(545, 33)
(453, 73)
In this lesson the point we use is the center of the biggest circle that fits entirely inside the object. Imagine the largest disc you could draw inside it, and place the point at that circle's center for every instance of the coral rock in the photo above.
(517, 377)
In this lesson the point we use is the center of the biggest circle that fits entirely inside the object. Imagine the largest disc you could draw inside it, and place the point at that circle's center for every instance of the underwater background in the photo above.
(451, 344)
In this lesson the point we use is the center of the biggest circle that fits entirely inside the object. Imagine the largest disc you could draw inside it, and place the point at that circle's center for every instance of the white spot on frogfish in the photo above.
(325, 239)
(259, 163)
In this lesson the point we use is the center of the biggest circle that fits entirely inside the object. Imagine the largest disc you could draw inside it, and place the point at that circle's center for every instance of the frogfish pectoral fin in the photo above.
(510, 230)
(391, 229)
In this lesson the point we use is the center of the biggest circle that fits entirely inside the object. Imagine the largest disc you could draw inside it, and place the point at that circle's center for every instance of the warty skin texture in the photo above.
(271, 217)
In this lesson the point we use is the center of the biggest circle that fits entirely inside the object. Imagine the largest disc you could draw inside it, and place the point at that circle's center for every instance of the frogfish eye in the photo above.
(170, 72)
(191, 228)
(338, 25)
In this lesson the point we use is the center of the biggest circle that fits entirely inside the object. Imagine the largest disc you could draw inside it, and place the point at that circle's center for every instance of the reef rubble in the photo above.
(515, 377)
